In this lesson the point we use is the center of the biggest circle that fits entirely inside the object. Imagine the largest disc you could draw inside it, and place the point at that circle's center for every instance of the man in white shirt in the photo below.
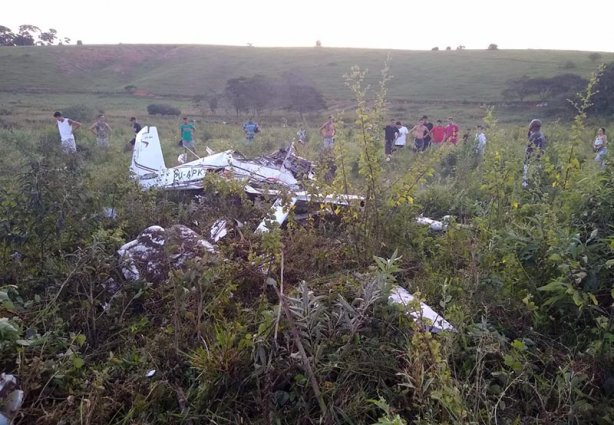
(402, 132)
(66, 127)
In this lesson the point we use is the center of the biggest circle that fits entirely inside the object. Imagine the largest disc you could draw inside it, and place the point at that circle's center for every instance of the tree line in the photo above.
(563, 88)
(30, 35)
(255, 94)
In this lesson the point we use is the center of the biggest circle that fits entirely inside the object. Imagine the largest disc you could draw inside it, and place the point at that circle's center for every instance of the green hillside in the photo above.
(467, 75)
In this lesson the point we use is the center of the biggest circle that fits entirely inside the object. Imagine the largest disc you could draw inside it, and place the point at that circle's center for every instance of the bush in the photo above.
(161, 109)
(81, 113)
(493, 46)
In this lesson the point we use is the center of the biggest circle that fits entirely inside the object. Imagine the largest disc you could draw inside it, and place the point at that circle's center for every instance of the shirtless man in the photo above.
(418, 131)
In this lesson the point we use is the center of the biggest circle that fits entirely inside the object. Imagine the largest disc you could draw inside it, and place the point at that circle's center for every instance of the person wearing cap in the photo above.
(537, 143)
(66, 126)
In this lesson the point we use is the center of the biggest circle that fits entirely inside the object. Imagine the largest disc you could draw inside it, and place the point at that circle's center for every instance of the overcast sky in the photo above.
(387, 24)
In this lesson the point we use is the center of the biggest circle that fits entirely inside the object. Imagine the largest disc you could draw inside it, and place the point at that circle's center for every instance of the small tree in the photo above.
(435, 48)
(7, 37)
(162, 109)
(594, 57)
(603, 99)
(493, 46)
(448, 48)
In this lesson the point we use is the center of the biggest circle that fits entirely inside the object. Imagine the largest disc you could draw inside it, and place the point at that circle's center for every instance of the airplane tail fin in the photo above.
(147, 153)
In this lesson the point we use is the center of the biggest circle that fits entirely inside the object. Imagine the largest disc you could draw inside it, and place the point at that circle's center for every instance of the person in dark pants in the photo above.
(136, 127)
(427, 134)
(390, 135)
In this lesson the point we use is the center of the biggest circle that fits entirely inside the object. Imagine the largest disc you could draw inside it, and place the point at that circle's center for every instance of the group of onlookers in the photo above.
(423, 133)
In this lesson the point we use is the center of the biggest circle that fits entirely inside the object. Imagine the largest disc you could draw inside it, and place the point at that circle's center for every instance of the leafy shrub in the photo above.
(80, 112)
(162, 109)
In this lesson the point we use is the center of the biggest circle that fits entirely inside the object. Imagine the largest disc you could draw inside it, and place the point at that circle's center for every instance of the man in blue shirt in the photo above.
(250, 128)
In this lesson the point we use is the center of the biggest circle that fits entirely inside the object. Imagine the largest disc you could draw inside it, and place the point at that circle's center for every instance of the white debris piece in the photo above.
(11, 398)
(156, 250)
(435, 225)
(218, 230)
(431, 320)
(109, 212)
(13, 401)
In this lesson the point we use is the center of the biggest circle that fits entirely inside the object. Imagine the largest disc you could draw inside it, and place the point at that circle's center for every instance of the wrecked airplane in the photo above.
(273, 175)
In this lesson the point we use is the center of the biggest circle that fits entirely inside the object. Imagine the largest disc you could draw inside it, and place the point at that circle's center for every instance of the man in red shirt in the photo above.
(451, 131)
(438, 133)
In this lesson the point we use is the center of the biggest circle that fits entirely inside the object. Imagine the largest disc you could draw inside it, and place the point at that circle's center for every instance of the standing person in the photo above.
(187, 134)
(451, 132)
(136, 127)
(427, 134)
(66, 126)
(438, 133)
(417, 133)
(101, 129)
(250, 128)
(402, 133)
(600, 146)
(390, 135)
(328, 131)
(301, 135)
(537, 143)
(480, 141)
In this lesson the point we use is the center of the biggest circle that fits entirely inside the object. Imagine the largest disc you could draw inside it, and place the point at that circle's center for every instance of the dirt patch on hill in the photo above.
(116, 59)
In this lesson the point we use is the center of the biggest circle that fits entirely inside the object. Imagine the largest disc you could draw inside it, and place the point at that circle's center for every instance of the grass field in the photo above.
(39, 80)
(470, 75)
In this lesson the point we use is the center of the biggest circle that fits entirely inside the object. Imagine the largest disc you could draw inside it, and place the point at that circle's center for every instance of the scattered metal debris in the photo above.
(430, 319)
(11, 398)
(156, 250)
(218, 230)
